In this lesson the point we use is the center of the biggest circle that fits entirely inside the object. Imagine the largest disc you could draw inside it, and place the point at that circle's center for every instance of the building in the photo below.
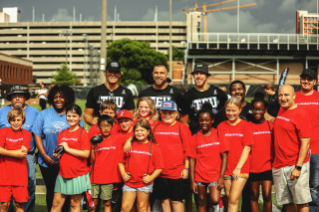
(14, 14)
(14, 70)
(4, 17)
(48, 44)
(306, 22)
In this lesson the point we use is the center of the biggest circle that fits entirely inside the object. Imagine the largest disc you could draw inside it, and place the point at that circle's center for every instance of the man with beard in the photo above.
(110, 90)
(195, 97)
(308, 99)
(161, 91)
(18, 96)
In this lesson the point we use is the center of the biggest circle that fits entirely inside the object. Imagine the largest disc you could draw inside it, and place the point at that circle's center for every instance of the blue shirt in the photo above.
(31, 114)
(48, 125)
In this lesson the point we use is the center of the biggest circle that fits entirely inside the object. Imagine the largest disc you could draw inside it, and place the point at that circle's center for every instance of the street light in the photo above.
(66, 33)
(170, 41)
(91, 47)
(85, 38)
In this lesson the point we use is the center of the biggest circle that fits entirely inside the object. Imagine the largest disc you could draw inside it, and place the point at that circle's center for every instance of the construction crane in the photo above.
(205, 11)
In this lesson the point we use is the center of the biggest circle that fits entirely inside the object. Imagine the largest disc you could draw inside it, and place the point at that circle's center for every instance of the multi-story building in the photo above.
(306, 22)
(48, 44)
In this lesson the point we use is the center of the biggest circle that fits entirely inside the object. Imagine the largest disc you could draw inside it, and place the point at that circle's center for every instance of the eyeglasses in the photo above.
(258, 109)
(105, 126)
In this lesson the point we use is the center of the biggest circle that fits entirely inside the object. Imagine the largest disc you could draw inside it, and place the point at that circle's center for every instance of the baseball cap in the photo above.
(201, 68)
(18, 89)
(308, 72)
(113, 66)
(169, 105)
(124, 114)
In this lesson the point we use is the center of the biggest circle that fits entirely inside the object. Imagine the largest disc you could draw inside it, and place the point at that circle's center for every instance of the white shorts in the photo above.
(291, 191)
(145, 189)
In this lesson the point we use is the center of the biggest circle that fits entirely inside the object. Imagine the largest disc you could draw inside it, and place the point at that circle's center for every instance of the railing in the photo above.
(252, 38)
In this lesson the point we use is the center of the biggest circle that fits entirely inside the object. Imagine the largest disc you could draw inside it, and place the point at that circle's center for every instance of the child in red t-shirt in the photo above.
(237, 134)
(146, 109)
(73, 178)
(14, 147)
(262, 155)
(140, 167)
(104, 159)
(124, 118)
(208, 160)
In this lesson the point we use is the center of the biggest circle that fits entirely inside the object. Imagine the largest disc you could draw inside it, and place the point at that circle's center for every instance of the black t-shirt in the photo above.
(246, 114)
(159, 96)
(193, 101)
(274, 106)
(121, 96)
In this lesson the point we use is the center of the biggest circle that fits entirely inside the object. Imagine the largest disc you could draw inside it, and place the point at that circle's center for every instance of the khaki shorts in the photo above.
(104, 191)
(291, 191)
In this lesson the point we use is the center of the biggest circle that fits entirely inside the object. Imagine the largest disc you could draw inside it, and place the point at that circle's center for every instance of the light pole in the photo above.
(170, 41)
(91, 47)
(66, 33)
(238, 17)
(85, 38)
(103, 40)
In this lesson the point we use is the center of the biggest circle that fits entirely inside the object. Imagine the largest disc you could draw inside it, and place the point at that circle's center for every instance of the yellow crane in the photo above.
(205, 11)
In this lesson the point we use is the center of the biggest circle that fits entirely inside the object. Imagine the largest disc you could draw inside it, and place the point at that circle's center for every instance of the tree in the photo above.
(314, 30)
(178, 54)
(137, 59)
(64, 76)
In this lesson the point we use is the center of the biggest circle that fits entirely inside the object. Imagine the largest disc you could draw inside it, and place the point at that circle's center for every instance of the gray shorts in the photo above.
(145, 189)
(291, 191)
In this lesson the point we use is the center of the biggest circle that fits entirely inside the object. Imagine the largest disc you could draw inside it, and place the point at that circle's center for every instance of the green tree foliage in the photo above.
(178, 54)
(64, 76)
(137, 60)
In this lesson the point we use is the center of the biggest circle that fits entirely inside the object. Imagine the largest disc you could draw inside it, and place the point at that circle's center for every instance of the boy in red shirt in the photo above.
(14, 146)
(124, 118)
(103, 176)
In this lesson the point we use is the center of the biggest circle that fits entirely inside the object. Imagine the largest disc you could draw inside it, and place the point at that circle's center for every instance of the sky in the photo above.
(269, 16)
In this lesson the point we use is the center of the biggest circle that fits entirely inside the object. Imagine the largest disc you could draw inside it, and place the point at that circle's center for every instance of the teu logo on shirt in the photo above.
(159, 99)
(119, 100)
(198, 103)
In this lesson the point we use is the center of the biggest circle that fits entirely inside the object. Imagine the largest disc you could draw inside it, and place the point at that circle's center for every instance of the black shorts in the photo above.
(174, 189)
(262, 176)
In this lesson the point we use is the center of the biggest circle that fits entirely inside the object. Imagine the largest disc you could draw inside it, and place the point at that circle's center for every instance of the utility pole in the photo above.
(237, 16)
(103, 41)
(170, 41)
(73, 13)
(66, 33)
(33, 14)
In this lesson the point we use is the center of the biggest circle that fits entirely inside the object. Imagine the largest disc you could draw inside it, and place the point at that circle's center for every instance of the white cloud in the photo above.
(62, 15)
(294, 5)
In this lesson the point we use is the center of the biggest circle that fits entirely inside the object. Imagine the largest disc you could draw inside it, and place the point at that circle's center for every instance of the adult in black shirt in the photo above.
(194, 98)
(238, 90)
(110, 90)
(161, 91)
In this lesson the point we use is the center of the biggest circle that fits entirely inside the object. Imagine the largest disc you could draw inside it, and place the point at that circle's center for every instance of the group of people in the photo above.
(169, 147)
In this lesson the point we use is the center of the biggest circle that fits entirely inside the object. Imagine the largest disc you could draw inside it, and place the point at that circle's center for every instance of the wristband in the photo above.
(238, 168)
(45, 155)
(186, 168)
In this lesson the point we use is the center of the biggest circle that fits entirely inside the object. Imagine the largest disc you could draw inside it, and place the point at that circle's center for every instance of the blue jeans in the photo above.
(314, 183)
(29, 206)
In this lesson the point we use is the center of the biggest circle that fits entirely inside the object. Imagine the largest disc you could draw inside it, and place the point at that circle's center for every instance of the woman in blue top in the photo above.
(46, 129)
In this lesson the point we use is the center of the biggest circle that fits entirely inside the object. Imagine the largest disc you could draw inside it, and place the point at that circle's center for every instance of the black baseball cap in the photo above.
(201, 68)
(308, 72)
(18, 89)
(113, 66)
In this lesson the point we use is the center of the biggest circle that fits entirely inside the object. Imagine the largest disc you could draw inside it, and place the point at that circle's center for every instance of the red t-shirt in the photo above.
(95, 130)
(141, 159)
(236, 137)
(262, 152)
(289, 127)
(206, 150)
(152, 123)
(71, 166)
(122, 136)
(174, 142)
(13, 170)
(311, 105)
(104, 169)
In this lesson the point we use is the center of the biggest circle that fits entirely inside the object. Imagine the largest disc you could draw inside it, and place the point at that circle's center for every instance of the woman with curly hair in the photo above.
(46, 129)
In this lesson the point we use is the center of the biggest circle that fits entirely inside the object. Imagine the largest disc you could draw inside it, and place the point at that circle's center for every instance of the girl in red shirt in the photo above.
(237, 135)
(73, 178)
(208, 160)
(140, 167)
(262, 153)
(145, 108)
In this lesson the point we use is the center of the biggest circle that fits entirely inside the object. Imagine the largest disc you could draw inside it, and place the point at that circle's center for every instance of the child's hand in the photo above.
(128, 145)
(65, 145)
(127, 176)
(24, 148)
(147, 178)
(20, 153)
(220, 183)
(57, 156)
(93, 146)
(236, 173)
(194, 187)
(184, 174)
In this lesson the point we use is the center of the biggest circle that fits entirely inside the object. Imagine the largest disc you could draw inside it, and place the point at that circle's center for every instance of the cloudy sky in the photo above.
(273, 16)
